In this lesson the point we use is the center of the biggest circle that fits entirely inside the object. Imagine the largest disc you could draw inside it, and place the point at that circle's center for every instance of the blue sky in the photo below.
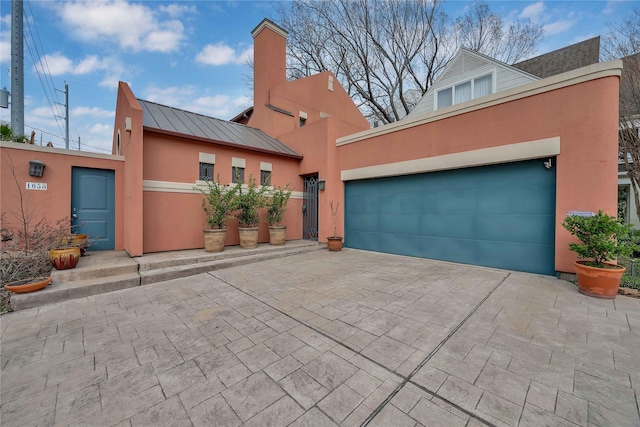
(187, 54)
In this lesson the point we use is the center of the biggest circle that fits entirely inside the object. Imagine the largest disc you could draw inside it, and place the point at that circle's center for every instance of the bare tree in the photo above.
(623, 42)
(388, 53)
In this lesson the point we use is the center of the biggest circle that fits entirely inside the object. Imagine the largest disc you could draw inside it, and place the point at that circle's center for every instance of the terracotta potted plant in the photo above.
(603, 239)
(218, 203)
(249, 199)
(276, 207)
(334, 243)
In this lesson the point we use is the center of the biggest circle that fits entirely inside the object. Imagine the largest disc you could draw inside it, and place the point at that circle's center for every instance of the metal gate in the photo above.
(310, 208)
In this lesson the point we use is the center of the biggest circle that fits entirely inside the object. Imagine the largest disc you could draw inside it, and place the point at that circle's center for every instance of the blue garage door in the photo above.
(499, 216)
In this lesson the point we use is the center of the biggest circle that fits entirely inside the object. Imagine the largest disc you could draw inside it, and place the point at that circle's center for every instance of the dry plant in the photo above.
(26, 239)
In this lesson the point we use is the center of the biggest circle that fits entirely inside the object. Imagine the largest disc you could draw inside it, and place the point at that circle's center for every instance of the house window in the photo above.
(265, 177)
(237, 170)
(206, 171)
(237, 175)
(465, 91)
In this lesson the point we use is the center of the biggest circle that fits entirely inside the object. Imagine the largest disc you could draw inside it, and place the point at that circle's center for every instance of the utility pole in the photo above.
(17, 68)
(66, 114)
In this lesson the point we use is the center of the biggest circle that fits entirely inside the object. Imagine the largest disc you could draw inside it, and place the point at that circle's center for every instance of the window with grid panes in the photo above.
(206, 171)
(237, 175)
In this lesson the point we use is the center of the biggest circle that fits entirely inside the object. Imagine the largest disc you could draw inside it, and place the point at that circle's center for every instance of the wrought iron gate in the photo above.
(310, 208)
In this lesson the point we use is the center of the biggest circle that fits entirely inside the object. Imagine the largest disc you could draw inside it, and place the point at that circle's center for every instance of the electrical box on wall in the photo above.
(36, 168)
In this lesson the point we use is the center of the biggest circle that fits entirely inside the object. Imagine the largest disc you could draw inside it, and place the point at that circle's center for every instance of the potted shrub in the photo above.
(603, 239)
(218, 203)
(276, 207)
(334, 243)
(249, 199)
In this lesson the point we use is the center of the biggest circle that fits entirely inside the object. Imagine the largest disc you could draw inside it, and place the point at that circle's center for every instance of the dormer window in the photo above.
(465, 91)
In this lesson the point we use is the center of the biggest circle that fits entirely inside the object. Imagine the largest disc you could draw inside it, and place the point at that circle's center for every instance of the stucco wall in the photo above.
(173, 214)
(581, 110)
(54, 203)
(131, 149)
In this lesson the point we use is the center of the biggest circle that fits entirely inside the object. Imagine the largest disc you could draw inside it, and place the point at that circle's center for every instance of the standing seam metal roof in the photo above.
(175, 120)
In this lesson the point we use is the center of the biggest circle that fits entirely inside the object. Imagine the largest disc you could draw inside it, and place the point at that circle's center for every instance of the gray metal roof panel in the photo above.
(171, 119)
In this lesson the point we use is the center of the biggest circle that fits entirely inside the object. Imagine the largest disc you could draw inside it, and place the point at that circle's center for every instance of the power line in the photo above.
(40, 62)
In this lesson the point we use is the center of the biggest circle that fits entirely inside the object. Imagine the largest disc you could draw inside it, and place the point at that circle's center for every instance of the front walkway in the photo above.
(350, 338)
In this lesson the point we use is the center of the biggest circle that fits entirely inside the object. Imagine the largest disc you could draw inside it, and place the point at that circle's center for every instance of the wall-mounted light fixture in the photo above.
(321, 184)
(127, 124)
(36, 168)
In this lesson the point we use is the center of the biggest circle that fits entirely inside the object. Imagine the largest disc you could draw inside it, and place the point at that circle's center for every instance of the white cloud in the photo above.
(533, 11)
(184, 97)
(557, 27)
(58, 64)
(5, 50)
(91, 112)
(55, 64)
(132, 26)
(217, 54)
(175, 10)
(246, 55)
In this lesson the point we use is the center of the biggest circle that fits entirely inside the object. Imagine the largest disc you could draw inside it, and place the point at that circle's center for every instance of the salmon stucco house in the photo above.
(482, 172)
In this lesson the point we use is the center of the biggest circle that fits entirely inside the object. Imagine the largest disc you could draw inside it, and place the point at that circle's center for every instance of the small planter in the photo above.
(277, 234)
(64, 258)
(334, 244)
(28, 285)
(598, 282)
(214, 239)
(81, 241)
(248, 237)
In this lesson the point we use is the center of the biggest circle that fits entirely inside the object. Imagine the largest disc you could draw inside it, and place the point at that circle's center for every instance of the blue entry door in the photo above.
(93, 206)
(497, 216)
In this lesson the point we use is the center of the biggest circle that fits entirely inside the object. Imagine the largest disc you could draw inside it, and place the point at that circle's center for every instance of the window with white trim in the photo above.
(237, 170)
(265, 173)
(207, 160)
(464, 91)
(206, 171)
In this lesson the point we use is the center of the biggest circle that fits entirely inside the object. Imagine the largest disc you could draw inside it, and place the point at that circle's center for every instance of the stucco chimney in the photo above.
(269, 60)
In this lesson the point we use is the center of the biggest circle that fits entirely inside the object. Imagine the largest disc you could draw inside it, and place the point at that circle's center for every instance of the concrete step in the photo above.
(63, 291)
(219, 263)
(101, 272)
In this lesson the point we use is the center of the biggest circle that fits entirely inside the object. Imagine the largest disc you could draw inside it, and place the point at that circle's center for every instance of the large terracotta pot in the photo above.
(334, 244)
(214, 239)
(277, 234)
(28, 285)
(598, 282)
(64, 258)
(248, 237)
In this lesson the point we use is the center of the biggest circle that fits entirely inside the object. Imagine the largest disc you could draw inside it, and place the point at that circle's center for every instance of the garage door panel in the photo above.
(499, 216)
(515, 228)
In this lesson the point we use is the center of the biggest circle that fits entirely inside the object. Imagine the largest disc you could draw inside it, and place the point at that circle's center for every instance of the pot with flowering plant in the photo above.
(603, 239)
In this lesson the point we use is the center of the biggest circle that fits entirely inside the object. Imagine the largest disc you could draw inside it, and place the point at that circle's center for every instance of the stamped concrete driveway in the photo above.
(351, 338)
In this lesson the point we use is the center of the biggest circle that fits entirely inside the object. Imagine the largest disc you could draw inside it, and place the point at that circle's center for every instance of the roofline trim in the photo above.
(223, 143)
(267, 23)
(548, 147)
(570, 78)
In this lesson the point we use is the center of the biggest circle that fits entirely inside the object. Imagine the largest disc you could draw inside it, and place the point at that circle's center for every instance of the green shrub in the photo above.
(277, 205)
(602, 238)
(248, 201)
(218, 203)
